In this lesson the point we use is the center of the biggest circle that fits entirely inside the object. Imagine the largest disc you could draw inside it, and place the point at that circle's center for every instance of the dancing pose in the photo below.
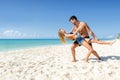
(81, 41)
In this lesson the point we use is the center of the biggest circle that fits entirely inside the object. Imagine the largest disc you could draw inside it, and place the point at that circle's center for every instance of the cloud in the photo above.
(12, 34)
(111, 36)
(108, 36)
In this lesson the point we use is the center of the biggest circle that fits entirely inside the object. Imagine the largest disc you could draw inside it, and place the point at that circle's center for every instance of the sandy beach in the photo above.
(55, 63)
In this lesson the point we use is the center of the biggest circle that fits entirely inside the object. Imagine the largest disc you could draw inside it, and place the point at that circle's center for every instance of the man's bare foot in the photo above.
(99, 58)
(74, 60)
(86, 62)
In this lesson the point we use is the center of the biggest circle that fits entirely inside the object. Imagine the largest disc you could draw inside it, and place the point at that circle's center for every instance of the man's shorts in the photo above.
(79, 41)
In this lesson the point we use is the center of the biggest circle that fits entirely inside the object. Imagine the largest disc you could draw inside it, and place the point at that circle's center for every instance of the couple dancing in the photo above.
(80, 33)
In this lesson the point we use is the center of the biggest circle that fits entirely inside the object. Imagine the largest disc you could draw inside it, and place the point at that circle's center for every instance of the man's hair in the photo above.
(73, 17)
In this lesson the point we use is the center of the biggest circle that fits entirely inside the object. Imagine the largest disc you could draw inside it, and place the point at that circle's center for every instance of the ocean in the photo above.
(15, 44)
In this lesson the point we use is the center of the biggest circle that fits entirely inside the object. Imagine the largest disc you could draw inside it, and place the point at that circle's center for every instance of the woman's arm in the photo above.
(70, 36)
(74, 35)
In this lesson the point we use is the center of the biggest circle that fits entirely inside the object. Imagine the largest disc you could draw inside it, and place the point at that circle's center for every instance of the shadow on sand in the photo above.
(105, 58)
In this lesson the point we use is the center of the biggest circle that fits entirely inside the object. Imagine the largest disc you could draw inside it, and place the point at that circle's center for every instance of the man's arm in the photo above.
(78, 30)
(72, 30)
(75, 32)
(91, 32)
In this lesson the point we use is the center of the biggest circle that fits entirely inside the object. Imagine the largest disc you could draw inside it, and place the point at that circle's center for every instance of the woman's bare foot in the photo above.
(111, 43)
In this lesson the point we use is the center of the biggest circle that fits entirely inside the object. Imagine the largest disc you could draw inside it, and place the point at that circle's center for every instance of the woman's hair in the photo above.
(61, 36)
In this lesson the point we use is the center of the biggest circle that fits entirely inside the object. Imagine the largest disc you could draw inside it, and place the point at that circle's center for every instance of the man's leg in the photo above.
(90, 50)
(74, 45)
(95, 53)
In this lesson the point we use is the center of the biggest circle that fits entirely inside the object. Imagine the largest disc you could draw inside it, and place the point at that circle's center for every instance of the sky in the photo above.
(43, 18)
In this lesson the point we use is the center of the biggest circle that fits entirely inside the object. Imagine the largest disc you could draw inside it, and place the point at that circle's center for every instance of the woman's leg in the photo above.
(101, 42)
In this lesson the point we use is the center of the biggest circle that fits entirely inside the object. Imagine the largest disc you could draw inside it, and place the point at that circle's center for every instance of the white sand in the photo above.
(54, 63)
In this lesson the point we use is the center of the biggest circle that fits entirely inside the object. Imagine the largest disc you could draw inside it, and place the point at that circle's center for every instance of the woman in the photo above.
(81, 41)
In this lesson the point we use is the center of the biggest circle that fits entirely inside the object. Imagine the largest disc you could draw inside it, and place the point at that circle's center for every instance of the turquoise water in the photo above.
(13, 44)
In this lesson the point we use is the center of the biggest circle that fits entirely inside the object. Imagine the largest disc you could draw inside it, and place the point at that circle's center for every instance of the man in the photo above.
(83, 29)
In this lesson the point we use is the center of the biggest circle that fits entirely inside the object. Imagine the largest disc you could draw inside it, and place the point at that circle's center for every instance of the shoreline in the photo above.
(28, 47)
